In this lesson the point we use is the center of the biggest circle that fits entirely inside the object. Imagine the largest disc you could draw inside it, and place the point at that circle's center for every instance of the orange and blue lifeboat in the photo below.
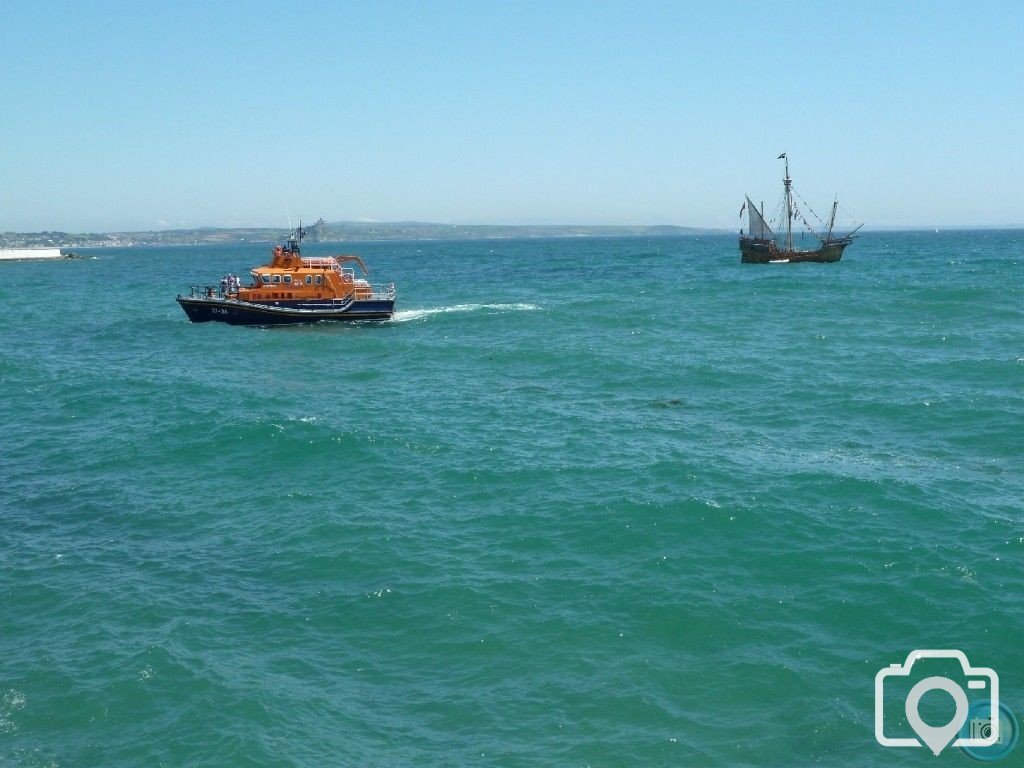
(293, 289)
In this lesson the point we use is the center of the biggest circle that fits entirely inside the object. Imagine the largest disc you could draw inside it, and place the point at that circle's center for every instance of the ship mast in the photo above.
(295, 238)
(788, 182)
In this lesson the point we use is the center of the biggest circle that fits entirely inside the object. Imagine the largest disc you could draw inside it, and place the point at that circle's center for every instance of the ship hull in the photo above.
(233, 312)
(754, 251)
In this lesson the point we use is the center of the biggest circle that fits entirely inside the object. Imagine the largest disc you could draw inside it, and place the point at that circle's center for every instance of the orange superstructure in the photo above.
(290, 276)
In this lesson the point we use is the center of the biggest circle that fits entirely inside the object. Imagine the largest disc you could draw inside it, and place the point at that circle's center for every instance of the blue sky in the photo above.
(145, 115)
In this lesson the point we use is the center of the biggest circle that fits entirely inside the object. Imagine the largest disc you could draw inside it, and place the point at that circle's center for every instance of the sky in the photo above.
(145, 115)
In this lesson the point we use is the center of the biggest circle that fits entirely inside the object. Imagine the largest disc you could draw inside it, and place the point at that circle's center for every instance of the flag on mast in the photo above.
(781, 156)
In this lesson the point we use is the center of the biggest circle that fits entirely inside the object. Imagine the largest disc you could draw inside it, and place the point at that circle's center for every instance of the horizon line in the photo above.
(407, 222)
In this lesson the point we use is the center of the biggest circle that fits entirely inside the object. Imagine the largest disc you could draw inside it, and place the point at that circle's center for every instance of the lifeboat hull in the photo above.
(234, 312)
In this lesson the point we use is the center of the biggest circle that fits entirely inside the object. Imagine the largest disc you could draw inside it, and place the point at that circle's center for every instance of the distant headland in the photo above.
(335, 232)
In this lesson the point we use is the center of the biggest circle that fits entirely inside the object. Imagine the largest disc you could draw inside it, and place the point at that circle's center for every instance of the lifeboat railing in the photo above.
(327, 262)
(377, 291)
(205, 292)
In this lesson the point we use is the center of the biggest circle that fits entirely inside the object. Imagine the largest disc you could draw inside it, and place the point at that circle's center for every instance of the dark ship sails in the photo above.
(763, 245)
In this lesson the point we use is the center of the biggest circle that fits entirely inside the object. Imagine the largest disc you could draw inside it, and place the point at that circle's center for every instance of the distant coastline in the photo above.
(335, 232)
(369, 231)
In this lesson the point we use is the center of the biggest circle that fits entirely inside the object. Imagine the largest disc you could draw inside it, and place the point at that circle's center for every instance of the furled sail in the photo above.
(758, 227)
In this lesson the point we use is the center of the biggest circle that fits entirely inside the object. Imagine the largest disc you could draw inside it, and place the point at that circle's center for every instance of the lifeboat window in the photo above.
(277, 278)
(266, 279)
(319, 279)
(287, 278)
(309, 279)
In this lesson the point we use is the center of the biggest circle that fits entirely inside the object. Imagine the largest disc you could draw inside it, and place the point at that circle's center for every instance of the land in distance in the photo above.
(335, 232)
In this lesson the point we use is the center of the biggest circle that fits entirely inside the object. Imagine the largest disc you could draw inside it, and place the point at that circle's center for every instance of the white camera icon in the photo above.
(981, 679)
(981, 728)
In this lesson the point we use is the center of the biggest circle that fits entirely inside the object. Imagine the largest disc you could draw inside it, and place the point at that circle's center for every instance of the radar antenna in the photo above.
(295, 238)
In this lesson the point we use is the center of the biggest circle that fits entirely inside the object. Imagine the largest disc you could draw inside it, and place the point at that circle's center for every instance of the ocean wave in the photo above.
(406, 315)
(10, 702)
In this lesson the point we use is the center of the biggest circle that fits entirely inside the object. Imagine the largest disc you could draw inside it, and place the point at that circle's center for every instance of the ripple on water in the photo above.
(537, 521)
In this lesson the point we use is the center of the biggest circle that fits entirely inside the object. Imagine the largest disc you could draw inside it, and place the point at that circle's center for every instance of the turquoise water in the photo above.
(585, 502)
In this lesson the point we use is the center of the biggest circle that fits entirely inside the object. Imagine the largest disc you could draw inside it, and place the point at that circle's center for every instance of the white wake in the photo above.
(406, 315)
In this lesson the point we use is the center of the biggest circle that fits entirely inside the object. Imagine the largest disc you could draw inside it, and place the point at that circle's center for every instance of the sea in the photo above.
(582, 502)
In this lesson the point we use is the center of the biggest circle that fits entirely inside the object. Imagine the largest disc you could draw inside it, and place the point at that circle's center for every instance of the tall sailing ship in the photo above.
(764, 245)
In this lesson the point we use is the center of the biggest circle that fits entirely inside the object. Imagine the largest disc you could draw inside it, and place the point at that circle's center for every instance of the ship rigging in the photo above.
(762, 244)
